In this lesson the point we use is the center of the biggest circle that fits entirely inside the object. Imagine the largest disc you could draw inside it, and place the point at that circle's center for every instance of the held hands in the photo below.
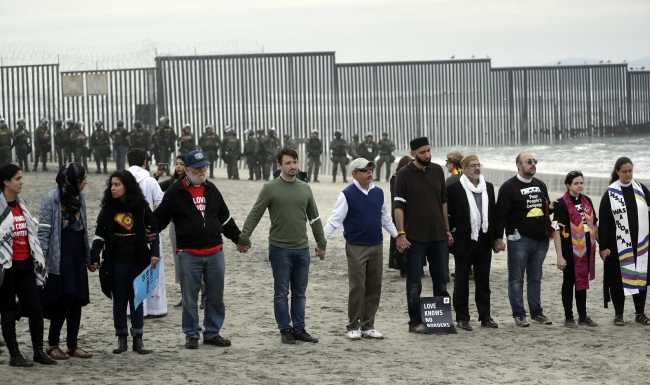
(402, 243)
(154, 261)
(320, 253)
(499, 245)
(243, 249)
(561, 263)
(450, 239)
(93, 267)
(604, 254)
(150, 236)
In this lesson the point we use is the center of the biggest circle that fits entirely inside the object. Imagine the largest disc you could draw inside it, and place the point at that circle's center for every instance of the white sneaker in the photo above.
(374, 334)
(354, 335)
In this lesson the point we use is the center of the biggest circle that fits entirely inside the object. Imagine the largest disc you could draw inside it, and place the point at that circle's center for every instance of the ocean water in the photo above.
(595, 157)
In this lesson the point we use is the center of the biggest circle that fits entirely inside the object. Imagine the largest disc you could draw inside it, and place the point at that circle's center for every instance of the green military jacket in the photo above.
(252, 147)
(42, 136)
(209, 141)
(77, 138)
(59, 137)
(140, 139)
(119, 136)
(100, 140)
(22, 137)
(6, 137)
(386, 147)
(339, 147)
(368, 150)
(168, 137)
(230, 146)
(188, 145)
(271, 147)
(292, 144)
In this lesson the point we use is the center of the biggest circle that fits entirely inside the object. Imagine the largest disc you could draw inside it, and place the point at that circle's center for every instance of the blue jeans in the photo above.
(120, 157)
(290, 268)
(194, 270)
(436, 253)
(526, 256)
(123, 275)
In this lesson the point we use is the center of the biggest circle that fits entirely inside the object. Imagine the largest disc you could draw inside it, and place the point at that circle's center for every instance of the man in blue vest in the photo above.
(361, 209)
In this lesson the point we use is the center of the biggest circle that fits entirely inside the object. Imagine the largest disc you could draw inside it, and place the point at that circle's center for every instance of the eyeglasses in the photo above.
(365, 169)
(478, 165)
(530, 161)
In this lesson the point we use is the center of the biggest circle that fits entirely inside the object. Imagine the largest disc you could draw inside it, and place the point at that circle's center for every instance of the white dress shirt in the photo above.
(341, 211)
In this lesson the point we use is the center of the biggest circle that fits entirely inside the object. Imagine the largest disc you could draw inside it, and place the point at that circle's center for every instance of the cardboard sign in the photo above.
(436, 315)
(144, 284)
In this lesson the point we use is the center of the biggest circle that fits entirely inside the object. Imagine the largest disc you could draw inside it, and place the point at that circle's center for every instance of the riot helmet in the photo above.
(186, 125)
(209, 127)
(355, 136)
(384, 134)
(79, 125)
(120, 123)
(45, 121)
(137, 124)
(58, 123)
(272, 132)
(3, 126)
(2, 120)
(286, 136)
(98, 123)
(69, 122)
(249, 132)
(164, 121)
(260, 131)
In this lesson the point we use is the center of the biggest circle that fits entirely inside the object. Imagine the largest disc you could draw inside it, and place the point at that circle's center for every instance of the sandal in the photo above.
(642, 319)
(618, 320)
(55, 353)
(79, 353)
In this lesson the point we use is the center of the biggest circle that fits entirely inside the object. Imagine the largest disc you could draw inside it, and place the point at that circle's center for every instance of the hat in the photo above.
(419, 142)
(360, 163)
(454, 157)
(195, 159)
(465, 161)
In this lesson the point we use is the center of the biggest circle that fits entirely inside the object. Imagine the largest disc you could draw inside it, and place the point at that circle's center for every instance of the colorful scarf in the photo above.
(585, 270)
(69, 179)
(633, 274)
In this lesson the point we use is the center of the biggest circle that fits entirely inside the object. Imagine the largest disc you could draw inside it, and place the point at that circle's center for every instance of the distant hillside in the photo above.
(644, 62)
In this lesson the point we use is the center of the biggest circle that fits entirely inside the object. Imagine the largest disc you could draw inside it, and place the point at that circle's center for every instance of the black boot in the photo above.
(121, 344)
(36, 331)
(138, 346)
(9, 335)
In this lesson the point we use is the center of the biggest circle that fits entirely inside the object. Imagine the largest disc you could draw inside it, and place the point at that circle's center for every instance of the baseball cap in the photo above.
(195, 159)
(360, 163)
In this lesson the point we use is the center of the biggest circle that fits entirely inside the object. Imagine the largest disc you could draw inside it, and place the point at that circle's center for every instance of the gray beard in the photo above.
(473, 176)
(195, 180)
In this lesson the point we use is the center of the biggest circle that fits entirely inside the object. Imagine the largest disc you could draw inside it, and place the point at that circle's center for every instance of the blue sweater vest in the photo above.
(362, 224)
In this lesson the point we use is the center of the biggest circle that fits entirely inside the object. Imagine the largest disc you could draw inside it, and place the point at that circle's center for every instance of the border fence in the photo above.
(453, 102)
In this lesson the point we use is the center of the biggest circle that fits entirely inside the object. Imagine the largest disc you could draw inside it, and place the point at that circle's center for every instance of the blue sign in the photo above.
(145, 283)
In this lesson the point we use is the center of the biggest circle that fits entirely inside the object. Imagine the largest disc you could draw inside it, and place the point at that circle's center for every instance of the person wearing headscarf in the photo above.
(63, 234)
(623, 241)
(576, 232)
(22, 267)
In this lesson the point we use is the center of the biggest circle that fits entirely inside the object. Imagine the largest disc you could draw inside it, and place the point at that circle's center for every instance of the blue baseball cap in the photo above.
(196, 159)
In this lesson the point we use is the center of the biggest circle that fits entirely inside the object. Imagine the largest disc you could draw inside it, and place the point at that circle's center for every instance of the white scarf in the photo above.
(633, 274)
(470, 190)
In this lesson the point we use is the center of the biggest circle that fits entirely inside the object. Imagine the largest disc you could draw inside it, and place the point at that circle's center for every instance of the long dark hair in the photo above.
(617, 167)
(176, 175)
(134, 197)
(7, 172)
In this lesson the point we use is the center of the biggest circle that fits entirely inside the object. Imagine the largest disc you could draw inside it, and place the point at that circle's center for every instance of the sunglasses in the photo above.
(365, 169)
(530, 161)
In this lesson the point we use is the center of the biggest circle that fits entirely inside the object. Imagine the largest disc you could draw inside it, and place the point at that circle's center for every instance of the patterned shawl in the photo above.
(585, 270)
(634, 274)
(69, 179)
(7, 242)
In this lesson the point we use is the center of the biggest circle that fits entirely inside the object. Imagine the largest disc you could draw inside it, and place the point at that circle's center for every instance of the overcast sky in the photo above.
(512, 33)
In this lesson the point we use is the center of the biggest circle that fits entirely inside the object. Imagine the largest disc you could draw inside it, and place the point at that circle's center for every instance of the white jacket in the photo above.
(149, 186)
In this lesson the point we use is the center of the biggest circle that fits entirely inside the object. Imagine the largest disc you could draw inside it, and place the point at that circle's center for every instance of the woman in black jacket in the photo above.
(120, 232)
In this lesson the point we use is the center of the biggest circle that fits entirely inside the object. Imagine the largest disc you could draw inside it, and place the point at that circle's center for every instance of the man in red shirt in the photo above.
(199, 246)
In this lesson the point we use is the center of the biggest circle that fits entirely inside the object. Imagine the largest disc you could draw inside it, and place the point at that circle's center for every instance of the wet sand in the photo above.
(538, 354)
